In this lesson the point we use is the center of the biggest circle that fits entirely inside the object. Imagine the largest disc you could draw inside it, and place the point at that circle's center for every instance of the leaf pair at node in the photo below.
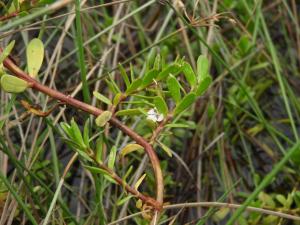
(35, 56)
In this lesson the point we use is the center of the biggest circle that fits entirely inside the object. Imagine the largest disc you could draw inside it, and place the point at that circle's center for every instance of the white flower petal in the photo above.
(151, 117)
(154, 115)
(151, 112)
(160, 118)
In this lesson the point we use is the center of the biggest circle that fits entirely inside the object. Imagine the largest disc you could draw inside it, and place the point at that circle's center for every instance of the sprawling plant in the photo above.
(158, 98)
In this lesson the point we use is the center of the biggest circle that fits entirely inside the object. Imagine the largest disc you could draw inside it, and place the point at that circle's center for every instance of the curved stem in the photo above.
(217, 205)
(68, 100)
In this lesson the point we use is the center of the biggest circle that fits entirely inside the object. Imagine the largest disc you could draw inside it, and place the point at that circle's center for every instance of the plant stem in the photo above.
(68, 100)
(131, 190)
(212, 204)
(43, 11)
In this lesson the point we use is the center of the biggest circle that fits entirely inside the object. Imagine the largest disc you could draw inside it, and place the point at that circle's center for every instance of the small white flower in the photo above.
(154, 115)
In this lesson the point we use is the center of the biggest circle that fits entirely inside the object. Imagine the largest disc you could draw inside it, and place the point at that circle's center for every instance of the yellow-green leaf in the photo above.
(117, 99)
(186, 102)
(7, 51)
(139, 182)
(139, 204)
(266, 199)
(103, 118)
(130, 148)
(2, 72)
(102, 98)
(221, 214)
(13, 84)
(35, 56)
(280, 198)
(112, 157)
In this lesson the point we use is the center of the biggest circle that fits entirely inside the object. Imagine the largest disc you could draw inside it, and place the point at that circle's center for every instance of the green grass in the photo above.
(80, 53)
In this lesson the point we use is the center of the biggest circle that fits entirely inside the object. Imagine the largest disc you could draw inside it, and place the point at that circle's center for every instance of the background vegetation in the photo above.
(238, 143)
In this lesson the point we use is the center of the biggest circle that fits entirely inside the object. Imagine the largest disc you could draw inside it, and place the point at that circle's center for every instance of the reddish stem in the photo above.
(96, 112)
(6, 17)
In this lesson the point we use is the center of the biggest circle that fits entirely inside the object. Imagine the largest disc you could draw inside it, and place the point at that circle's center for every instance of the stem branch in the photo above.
(68, 100)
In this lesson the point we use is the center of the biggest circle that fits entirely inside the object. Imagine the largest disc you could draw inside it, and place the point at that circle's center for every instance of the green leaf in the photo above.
(84, 155)
(202, 67)
(186, 102)
(157, 62)
(174, 88)
(103, 118)
(289, 201)
(71, 143)
(130, 148)
(139, 182)
(14, 6)
(7, 51)
(124, 75)
(173, 69)
(203, 86)
(122, 201)
(134, 86)
(2, 72)
(35, 56)
(110, 179)
(165, 148)
(112, 157)
(221, 214)
(112, 86)
(99, 148)
(181, 125)
(189, 74)
(13, 84)
(161, 105)
(67, 129)
(149, 77)
(102, 98)
(86, 135)
(266, 199)
(139, 204)
(131, 72)
(124, 178)
(280, 198)
(77, 133)
(96, 170)
(244, 45)
(117, 99)
(130, 112)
